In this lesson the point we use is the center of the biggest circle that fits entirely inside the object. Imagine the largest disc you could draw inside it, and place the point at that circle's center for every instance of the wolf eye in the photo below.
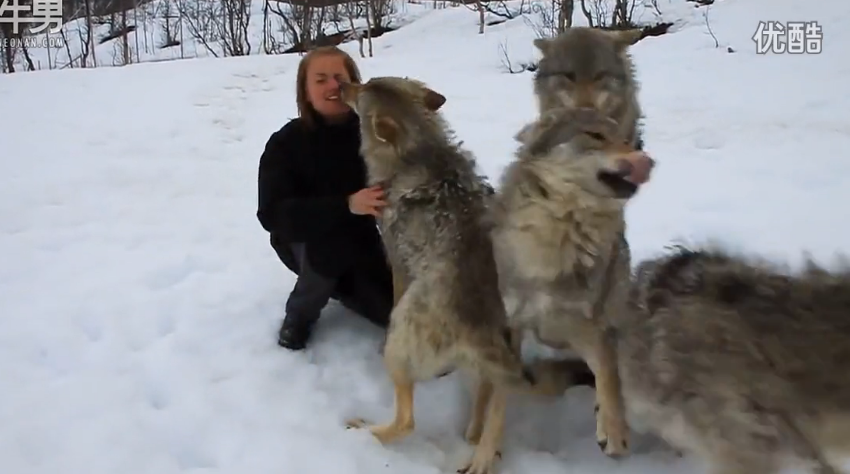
(596, 136)
(571, 76)
(600, 76)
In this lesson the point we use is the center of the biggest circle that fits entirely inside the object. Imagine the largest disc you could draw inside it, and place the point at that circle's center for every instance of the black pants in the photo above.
(366, 292)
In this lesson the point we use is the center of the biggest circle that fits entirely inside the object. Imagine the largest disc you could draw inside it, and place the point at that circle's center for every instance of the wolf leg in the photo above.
(612, 431)
(403, 423)
(487, 451)
(484, 392)
(597, 348)
(399, 285)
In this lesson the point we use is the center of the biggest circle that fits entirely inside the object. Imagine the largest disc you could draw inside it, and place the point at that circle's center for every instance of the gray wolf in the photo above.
(449, 314)
(588, 67)
(739, 361)
(564, 264)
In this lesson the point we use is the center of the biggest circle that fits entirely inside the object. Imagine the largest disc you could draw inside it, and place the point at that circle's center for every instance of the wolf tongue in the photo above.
(625, 168)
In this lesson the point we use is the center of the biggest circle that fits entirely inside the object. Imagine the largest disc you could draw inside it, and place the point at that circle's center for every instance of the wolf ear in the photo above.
(385, 128)
(625, 38)
(543, 44)
(434, 100)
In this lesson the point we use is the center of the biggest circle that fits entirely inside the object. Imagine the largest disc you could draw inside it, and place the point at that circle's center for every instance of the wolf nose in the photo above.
(637, 166)
(343, 87)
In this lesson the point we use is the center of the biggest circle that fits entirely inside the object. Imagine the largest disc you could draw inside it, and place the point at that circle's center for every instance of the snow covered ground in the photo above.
(140, 297)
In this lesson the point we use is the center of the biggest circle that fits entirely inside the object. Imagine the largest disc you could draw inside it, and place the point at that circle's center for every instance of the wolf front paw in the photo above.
(612, 434)
(386, 434)
(481, 464)
(357, 423)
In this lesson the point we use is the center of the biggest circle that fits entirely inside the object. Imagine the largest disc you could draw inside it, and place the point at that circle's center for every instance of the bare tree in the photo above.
(500, 8)
(13, 41)
(517, 68)
(480, 7)
(565, 15)
(380, 11)
(84, 32)
(369, 25)
(269, 43)
(169, 21)
(198, 18)
(351, 10)
(303, 23)
(220, 26)
(125, 40)
(67, 48)
(233, 31)
(292, 21)
(553, 17)
(620, 16)
(623, 12)
(87, 45)
(136, 32)
(7, 35)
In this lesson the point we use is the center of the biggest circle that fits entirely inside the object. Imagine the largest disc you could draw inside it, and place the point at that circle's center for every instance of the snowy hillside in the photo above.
(139, 298)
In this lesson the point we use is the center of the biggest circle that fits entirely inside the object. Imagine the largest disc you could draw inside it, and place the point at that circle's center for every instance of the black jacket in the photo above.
(304, 180)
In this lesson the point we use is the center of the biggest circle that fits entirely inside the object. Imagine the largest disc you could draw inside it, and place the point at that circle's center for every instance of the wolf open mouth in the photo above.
(617, 182)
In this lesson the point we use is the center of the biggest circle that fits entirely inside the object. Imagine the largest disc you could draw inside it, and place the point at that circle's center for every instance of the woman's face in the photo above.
(324, 74)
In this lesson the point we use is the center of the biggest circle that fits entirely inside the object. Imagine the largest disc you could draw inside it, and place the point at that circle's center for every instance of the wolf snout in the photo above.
(347, 90)
(636, 167)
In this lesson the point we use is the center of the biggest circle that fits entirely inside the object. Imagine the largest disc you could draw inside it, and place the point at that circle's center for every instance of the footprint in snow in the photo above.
(170, 275)
(708, 140)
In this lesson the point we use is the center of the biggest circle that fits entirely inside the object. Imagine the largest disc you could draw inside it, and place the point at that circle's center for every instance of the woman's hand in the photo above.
(367, 201)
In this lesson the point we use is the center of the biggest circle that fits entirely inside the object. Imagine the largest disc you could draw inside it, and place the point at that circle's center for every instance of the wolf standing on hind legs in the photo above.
(449, 313)
(739, 362)
(563, 260)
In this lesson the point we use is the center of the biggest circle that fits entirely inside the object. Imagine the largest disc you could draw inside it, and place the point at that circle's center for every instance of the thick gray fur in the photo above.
(738, 360)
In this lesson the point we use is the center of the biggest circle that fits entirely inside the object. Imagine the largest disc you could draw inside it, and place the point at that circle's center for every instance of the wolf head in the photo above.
(589, 67)
(581, 150)
(396, 114)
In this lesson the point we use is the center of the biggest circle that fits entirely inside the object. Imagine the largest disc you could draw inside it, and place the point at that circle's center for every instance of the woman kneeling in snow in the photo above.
(314, 202)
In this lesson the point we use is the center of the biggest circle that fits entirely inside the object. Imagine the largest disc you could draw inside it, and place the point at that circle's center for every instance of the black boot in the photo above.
(294, 334)
(311, 293)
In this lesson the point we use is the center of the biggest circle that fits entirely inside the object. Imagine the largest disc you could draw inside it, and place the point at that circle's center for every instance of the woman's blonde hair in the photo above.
(305, 109)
